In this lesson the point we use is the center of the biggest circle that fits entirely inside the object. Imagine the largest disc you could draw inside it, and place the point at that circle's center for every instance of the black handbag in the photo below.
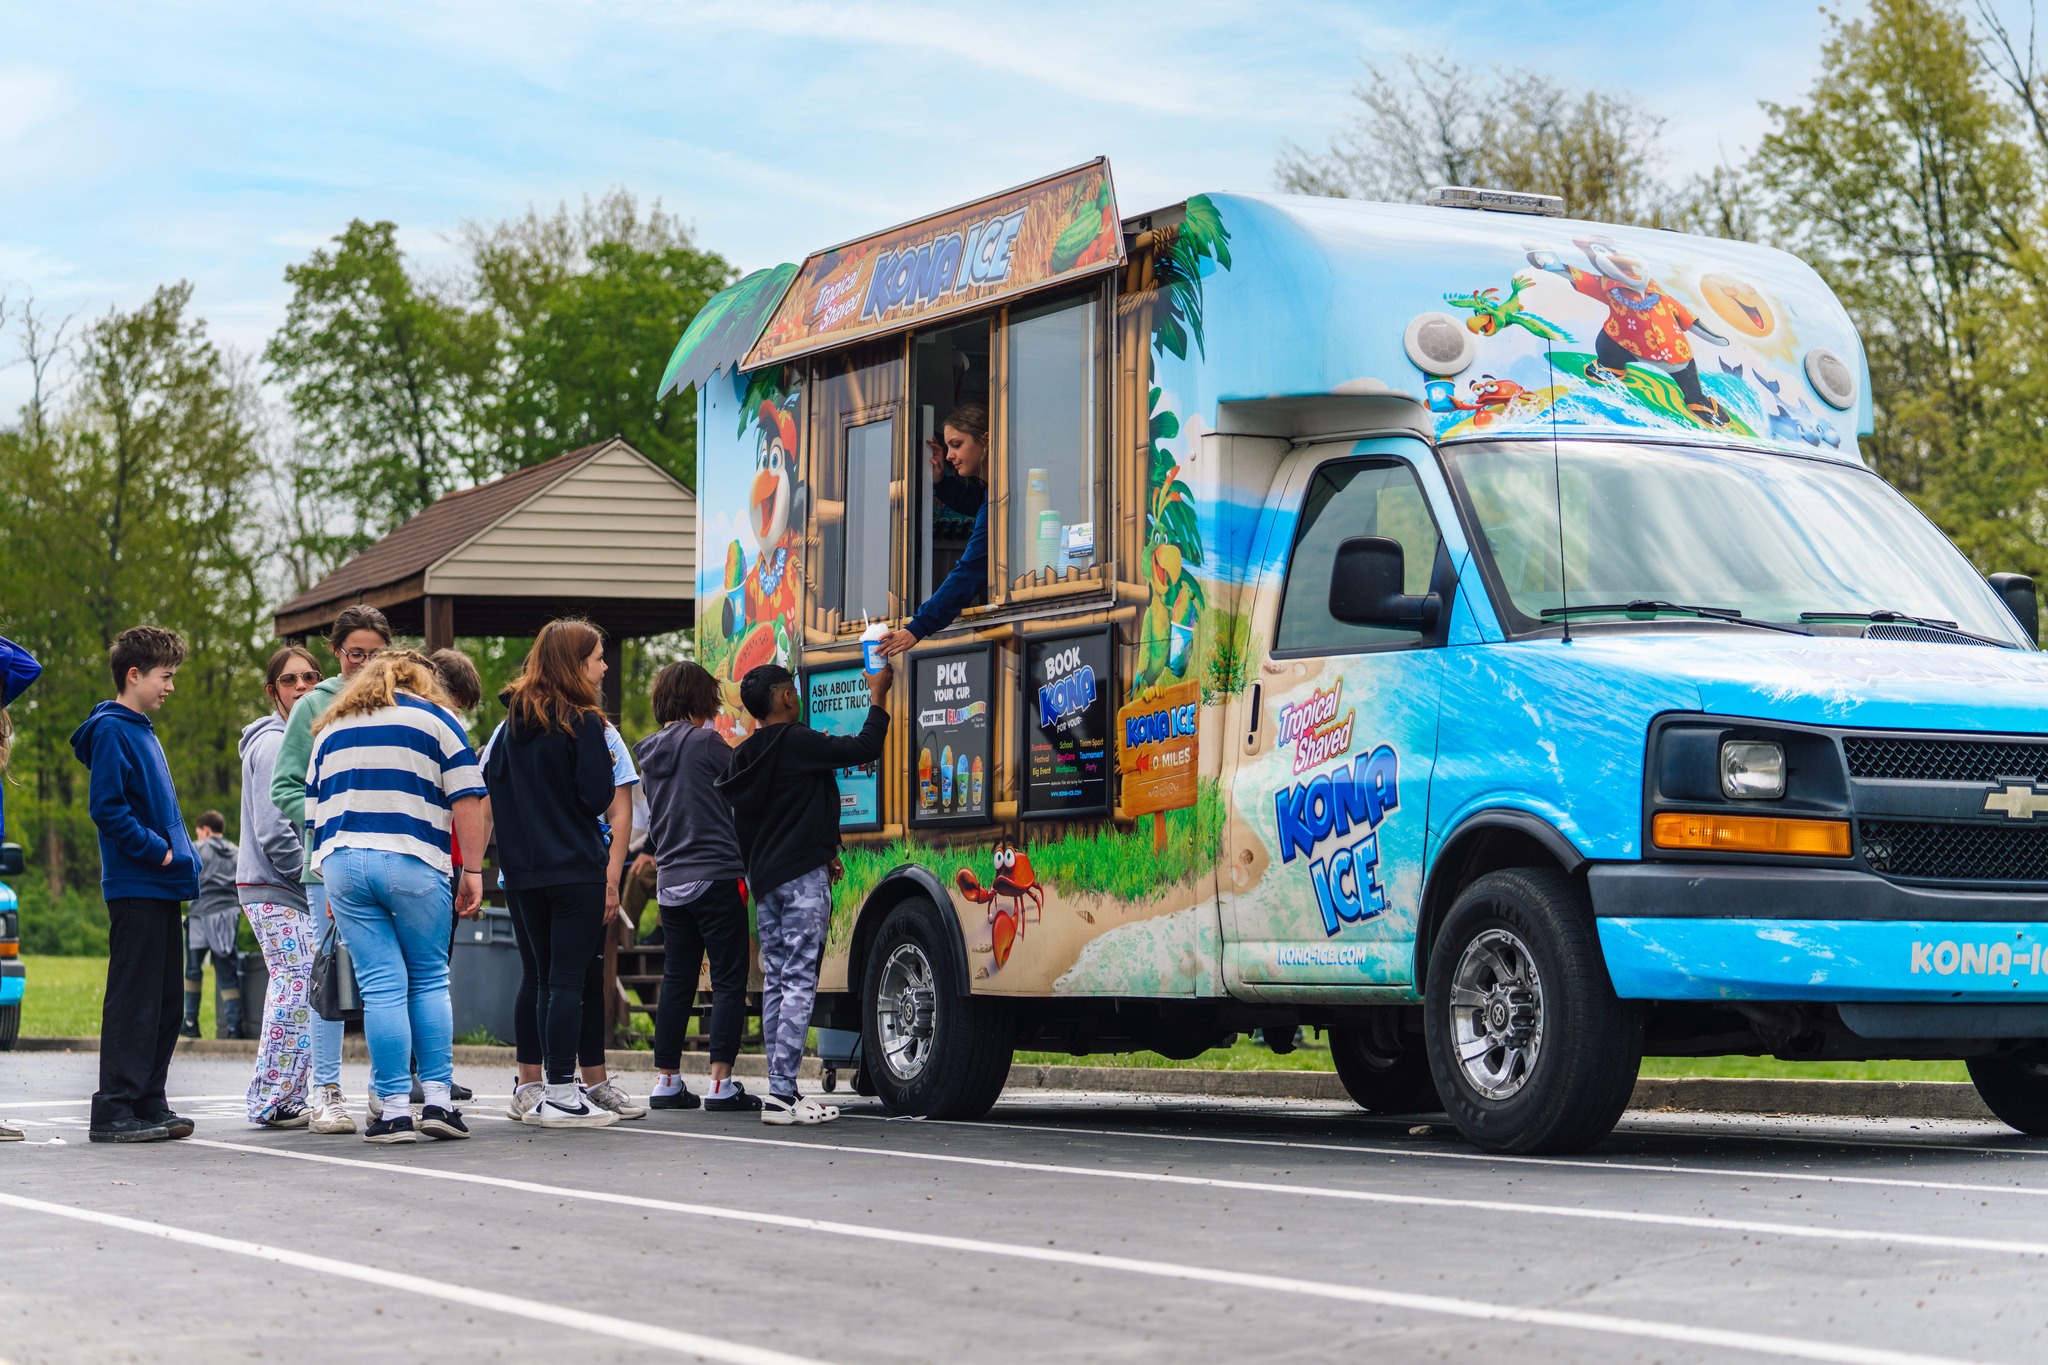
(335, 997)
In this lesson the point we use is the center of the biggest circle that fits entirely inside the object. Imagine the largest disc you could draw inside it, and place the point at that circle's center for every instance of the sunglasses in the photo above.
(285, 679)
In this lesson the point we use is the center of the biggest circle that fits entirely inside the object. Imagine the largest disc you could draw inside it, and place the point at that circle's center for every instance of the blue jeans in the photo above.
(326, 1033)
(393, 910)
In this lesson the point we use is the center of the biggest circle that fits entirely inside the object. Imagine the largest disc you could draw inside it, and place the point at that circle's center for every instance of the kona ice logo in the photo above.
(1314, 731)
(1342, 804)
(921, 274)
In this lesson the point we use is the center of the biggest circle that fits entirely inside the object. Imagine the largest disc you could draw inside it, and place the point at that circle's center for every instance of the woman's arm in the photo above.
(968, 579)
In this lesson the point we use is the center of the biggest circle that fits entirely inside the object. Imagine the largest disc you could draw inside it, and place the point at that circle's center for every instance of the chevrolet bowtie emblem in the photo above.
(2019, 802)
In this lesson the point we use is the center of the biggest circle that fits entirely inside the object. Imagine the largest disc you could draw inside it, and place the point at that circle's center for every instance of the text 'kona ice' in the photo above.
(1464, 630)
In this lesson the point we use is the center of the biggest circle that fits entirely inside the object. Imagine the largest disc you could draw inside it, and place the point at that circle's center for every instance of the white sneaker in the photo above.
(608, 1095)
(548, 1114)
(781, 1112)
(330, 1115)
(525, 1099)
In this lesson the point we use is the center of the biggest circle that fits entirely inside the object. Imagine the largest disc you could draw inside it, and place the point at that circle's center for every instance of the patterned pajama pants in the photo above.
(284, 1052)
(793, 919)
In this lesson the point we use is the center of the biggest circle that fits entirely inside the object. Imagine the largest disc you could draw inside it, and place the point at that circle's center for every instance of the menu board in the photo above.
(1066, 724)
(836, 703)
(951, 765)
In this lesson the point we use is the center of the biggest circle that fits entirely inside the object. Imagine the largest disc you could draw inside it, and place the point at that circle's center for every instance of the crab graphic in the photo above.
(1014, 882)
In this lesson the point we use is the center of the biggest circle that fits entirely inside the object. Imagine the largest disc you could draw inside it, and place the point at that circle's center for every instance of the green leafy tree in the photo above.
(131, 502)
(394, 385)
(588, 306)
(1906, 178)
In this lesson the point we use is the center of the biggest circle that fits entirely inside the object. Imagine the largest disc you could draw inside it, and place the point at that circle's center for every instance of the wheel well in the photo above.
(1485, 843)
(905, 883)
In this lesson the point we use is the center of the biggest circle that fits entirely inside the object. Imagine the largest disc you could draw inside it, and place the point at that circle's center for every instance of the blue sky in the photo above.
(219, 143)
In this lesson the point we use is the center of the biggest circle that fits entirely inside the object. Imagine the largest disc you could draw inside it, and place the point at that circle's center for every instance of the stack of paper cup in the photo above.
(1037, 497)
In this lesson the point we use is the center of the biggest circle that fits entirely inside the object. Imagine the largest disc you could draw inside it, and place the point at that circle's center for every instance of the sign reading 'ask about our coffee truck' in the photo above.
(1062, 227)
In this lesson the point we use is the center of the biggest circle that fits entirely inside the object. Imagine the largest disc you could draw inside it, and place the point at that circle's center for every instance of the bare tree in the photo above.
(1436, 122)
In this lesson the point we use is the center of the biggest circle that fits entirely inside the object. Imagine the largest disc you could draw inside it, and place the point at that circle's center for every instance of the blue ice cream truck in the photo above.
(1466, 630)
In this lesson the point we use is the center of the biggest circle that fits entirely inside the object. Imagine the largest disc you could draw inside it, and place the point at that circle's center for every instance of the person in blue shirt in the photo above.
(18, 668)
(965, 490)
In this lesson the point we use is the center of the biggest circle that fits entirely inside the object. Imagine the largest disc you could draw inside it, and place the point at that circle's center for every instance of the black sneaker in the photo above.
(189, 1029)
(174, 1125)
(130, 1129)
(682, 1099)
(461, 1094)
(397, 1128)
(437, 1122)
(290, 1114)
(738, 1102)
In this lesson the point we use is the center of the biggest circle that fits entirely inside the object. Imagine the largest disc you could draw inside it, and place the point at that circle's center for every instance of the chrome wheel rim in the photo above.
(906, 1004)
(1497, 1014)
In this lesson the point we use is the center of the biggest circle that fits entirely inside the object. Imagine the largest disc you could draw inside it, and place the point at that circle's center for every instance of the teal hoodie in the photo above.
(295, 755)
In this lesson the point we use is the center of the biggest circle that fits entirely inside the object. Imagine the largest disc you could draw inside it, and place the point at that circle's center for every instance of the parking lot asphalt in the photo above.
(1065, 1227)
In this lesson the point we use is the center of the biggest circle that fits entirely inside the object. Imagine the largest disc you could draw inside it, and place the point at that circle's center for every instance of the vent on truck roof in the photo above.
(1495, 201)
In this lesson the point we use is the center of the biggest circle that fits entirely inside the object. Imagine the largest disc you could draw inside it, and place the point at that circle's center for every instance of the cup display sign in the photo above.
(1066, 714)
(836, 703)
(952, 769)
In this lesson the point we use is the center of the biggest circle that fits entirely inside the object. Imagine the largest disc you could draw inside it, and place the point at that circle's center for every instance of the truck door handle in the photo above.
(1253, 733)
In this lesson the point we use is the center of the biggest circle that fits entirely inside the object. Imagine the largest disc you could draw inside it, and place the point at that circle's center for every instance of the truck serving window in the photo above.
(1052, 430)
(1771, 536)
(854, 403)
(1353, 498)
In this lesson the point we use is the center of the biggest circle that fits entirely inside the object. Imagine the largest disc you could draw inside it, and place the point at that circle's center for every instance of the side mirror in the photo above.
(1365, 587)
(11, 864)
(2020, 599)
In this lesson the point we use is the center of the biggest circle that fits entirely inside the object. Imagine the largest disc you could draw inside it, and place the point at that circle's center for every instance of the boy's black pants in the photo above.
(715, 922)
(139, 1024)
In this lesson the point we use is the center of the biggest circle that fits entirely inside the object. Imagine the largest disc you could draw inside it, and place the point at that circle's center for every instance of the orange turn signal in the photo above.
(1751, 834)
(9, 948)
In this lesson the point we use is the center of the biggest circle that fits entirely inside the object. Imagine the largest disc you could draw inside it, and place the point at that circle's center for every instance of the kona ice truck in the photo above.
(1465, 630)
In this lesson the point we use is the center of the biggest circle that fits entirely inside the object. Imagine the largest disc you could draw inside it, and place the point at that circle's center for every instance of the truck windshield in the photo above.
(1773, 537)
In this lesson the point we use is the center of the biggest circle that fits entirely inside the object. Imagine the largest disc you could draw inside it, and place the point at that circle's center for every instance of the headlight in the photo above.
(1752, 769)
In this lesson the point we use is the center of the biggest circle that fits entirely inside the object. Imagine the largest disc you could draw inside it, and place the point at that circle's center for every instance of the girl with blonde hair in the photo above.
(392, 777)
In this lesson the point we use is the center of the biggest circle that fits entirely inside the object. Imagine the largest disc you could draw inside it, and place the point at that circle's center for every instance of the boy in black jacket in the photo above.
(785, 805)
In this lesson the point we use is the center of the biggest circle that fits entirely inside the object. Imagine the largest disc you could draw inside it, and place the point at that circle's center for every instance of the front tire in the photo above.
(1381, 1075)
(927, 1049)
(10, 1027)
(2015, 1087)
(1529, 1046)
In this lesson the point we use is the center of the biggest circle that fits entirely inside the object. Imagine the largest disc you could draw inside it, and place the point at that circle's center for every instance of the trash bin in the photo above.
(483, 974)
(255, 984)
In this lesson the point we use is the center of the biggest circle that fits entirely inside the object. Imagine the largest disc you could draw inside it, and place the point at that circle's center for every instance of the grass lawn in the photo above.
(64, 995)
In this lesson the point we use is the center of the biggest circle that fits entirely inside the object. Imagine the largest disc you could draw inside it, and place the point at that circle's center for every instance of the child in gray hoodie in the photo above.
(210, 928)
(273, 898)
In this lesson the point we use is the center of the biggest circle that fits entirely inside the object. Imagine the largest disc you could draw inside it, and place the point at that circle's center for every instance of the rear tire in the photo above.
(2015, 1087)
(1383, 1078)
(927, 1049)
(10, 1027)
(1530, 1048)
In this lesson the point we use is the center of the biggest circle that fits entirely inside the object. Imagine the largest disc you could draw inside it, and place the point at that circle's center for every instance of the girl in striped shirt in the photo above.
(392, 775)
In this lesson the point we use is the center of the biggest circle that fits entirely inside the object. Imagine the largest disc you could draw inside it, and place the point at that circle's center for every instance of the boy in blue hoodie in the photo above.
(147, 866)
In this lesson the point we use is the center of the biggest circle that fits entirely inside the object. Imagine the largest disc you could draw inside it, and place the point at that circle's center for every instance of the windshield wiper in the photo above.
(1645, 607)
(1886, 616)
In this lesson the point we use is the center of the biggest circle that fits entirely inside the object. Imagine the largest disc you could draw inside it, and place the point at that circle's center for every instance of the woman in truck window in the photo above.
(965, 490)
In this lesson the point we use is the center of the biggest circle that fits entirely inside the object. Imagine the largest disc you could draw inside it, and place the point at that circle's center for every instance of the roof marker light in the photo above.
(1495, 201)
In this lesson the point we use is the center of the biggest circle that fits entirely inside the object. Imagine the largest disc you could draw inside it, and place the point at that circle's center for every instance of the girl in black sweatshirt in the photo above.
(550, 778)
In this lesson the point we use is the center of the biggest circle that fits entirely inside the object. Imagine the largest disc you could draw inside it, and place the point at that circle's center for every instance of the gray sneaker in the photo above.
(525, 1099)
(607, 1095)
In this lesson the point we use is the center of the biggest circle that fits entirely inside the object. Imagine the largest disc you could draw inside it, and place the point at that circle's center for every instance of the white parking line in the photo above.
(1679, 1220)
(639, 1333)
(1428, 1154)
(58, 1104)
(1790, 1348)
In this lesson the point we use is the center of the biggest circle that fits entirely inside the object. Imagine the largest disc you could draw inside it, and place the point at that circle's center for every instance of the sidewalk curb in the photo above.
(1684, 1094)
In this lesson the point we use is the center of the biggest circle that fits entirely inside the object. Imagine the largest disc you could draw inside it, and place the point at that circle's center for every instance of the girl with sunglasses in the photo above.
(268, 872)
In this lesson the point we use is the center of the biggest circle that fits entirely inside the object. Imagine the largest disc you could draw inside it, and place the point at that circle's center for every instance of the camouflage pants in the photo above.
(793, 919)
